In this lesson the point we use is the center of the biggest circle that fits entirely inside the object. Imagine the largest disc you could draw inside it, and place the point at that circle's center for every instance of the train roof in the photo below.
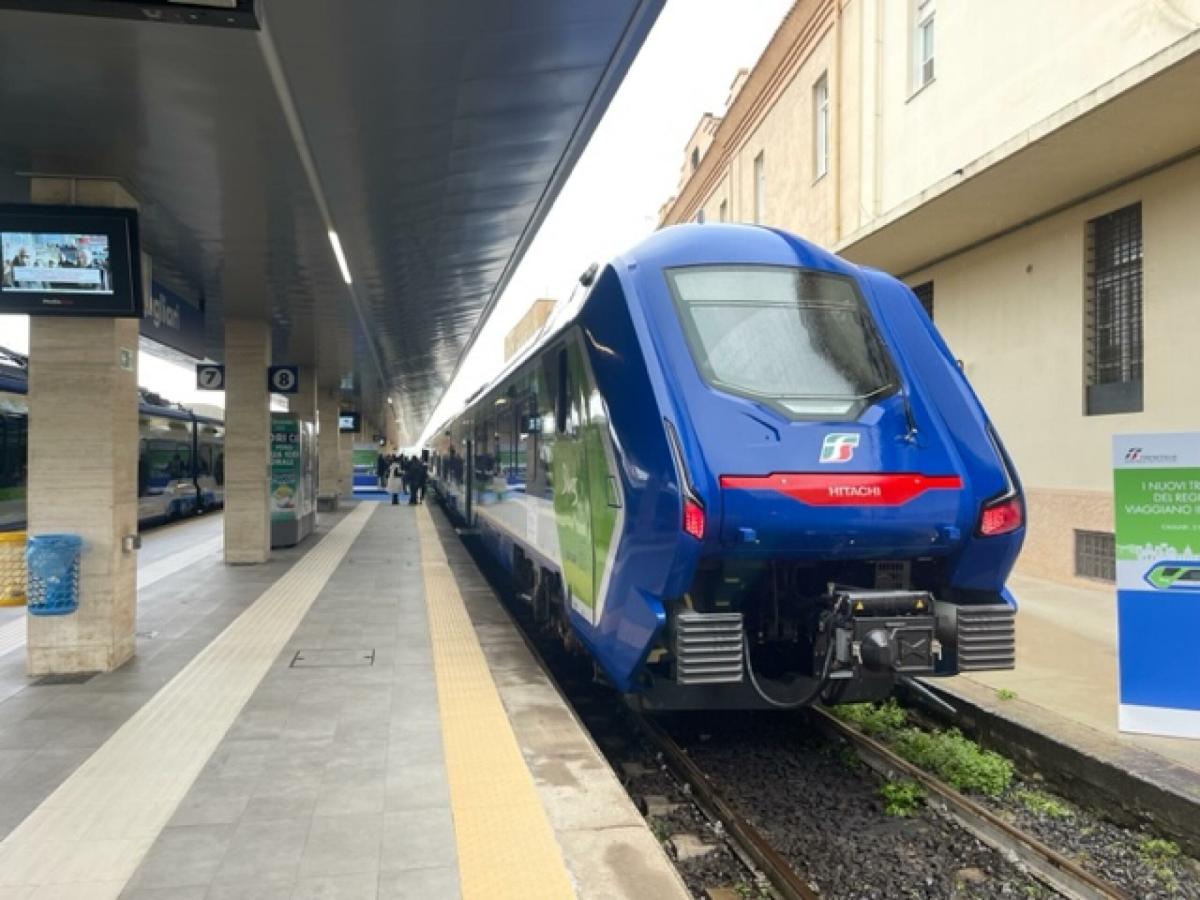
(14, 379)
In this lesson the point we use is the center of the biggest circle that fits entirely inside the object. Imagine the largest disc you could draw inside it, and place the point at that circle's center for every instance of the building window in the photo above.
(699, 217)
(723, 211)
(1113, 313)
(821, 126)
(924, 294)
(760, 188)
(695, 158)
(923, 43)
(1095, 555)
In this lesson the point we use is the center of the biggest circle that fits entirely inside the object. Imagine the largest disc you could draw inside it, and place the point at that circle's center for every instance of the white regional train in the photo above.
(181, 456)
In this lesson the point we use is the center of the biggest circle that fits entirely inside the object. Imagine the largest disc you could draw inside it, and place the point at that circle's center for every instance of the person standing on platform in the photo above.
(395, 482)
(383, 464)
(416, 481)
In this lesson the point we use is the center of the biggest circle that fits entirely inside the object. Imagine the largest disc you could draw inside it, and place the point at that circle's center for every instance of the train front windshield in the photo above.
(800, 341)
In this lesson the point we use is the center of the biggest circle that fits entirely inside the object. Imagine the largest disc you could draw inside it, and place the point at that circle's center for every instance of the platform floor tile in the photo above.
(92, 833)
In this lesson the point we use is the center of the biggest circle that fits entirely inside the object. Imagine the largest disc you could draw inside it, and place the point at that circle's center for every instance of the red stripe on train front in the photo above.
(845, 489)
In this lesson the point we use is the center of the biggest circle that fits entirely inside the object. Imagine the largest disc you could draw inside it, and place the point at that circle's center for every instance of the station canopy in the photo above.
(431, 136)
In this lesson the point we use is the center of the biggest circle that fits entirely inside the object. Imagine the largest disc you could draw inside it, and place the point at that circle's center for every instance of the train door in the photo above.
(572, 484)
(469, 482)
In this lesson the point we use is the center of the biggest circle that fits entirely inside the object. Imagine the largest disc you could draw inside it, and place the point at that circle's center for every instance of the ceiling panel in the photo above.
(438, 134)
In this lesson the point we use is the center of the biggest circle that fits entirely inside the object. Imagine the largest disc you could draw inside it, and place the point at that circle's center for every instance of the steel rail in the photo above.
(1043, 862)
(786, 881)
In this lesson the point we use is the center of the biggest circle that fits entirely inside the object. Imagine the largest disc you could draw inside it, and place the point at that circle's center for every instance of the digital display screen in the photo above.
(63, 263)
(348, 422)
(69, 261)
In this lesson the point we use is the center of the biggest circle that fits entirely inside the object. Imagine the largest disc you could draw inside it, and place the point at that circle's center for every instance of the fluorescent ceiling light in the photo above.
(341, 257)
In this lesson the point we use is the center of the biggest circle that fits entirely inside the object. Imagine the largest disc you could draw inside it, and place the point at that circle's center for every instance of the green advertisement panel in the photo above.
(286, 472)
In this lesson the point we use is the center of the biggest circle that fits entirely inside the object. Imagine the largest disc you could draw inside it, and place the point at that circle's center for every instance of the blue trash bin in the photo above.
(52, 561)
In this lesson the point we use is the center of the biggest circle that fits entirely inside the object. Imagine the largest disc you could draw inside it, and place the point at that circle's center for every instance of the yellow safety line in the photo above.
(87, 839)
(506, 848)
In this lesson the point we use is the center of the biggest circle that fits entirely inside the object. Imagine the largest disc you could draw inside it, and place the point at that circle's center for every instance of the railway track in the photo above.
(787, 882)
(784, 869)
(1046, 864)
(1056, 871)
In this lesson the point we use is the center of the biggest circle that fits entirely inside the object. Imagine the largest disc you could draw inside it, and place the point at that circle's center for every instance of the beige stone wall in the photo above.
(1000, 68)
(528, 325)
(1013, 312)
(1054, 515)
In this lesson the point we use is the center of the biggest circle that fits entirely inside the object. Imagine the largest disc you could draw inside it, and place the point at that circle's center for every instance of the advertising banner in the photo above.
(1157, 493)
(285, 470)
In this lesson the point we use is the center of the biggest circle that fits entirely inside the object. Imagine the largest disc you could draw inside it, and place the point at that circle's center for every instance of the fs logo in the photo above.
(838, 447)
(1133, 454)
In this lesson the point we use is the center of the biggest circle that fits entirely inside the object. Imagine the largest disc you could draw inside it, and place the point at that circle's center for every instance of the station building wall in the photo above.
(1013, 311)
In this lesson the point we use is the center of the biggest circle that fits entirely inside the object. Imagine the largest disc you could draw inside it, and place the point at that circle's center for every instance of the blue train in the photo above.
(739, 471)
(181, 456)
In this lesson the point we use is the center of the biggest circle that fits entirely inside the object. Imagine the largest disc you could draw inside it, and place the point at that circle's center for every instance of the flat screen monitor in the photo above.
(348, 421)
(70, 261)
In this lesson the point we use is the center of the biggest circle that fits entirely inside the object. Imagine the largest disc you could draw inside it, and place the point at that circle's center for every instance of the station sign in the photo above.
(1156, 479)
(210, 377)
(283, 379)
(172, 321)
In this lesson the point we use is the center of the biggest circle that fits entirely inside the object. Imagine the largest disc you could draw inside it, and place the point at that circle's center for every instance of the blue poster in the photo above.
(1156, 481)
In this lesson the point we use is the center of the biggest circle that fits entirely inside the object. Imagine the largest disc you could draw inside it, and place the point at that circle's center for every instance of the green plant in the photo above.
(750, 891)
(901, 798)
(958, 761)
(1006, 694)
(1043, 804)
(880, 720)
(1158, 855)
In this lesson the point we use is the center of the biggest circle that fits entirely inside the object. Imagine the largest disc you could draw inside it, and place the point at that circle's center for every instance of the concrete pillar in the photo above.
(346, 464)
(328, 454)
(304, 401)
(247, 441)
(85, 371)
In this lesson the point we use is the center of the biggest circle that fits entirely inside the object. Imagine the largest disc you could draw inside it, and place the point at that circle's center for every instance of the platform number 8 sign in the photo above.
(283, 379)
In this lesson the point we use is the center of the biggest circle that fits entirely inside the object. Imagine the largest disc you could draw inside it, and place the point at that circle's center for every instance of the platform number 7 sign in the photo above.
(210, 377)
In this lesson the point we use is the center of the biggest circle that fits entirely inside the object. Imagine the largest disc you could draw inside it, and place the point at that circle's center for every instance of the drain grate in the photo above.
(312, 659)
(71, 678)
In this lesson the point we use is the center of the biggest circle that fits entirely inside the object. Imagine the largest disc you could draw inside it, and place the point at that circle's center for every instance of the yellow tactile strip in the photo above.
(87, 838)
(506, 848)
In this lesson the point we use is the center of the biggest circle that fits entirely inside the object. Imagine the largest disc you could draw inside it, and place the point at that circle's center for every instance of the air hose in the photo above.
(812, 694)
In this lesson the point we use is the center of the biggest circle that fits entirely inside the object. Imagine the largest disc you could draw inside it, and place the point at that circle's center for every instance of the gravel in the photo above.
(1103, 848)
(820, 807)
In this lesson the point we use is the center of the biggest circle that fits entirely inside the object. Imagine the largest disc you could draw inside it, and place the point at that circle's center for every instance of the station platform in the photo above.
(356, 718)
(1064, 687)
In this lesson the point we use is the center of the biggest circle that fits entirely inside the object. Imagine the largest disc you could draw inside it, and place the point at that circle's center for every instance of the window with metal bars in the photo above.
(1113, 313)
(1095, 555)
(924, 293)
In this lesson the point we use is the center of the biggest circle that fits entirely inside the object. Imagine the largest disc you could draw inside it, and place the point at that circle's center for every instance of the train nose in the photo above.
(847, 513)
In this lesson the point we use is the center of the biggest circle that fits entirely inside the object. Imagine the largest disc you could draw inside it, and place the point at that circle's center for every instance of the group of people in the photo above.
(404, 475)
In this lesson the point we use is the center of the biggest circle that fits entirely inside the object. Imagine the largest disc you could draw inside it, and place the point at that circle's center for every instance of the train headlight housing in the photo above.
(693, 518)
(1001, 517)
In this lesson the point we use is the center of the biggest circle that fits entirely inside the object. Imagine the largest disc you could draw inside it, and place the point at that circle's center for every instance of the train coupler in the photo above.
(883, 631)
